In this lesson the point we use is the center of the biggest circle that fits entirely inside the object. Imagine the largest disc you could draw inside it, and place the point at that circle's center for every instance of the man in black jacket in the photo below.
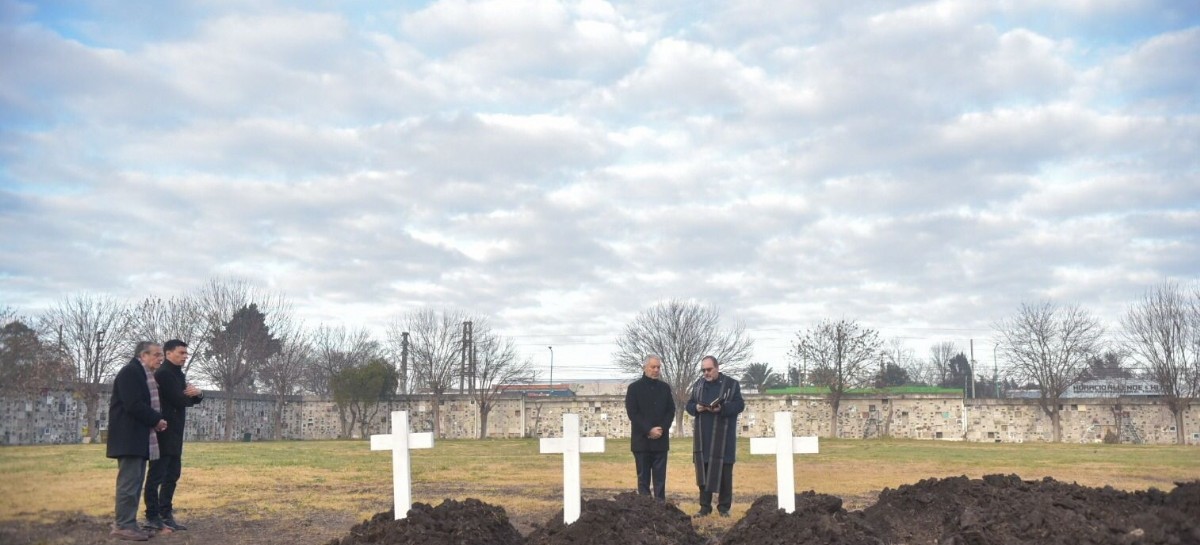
(715, 405)
(177, 395)
(134, 414)
(651, 411)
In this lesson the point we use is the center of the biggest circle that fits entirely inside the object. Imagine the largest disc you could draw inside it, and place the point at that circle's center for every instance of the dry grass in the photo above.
(290, 478)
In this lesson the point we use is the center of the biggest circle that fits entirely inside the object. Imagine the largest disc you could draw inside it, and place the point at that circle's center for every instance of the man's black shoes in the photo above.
(129, 534)
(153, 524)
(170, 522)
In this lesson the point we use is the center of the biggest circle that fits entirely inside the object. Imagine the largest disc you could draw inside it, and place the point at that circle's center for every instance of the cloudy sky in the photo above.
(922, 167)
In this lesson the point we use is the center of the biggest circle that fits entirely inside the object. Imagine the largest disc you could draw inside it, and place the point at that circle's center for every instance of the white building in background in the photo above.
(1110, 387)
(581, 387)
(601, 386)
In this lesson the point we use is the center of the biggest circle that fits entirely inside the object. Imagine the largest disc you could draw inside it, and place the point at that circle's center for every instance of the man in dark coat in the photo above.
(715, 403)
(177, 395)
(134, 415)
(651, 411)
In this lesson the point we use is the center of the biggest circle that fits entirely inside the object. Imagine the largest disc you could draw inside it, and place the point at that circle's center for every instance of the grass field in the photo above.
(272, 479)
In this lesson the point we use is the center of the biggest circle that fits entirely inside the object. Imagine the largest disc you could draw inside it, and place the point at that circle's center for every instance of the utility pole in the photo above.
(995, 371)
(404, 363)
(94, 427)
(971, 373)
(474, 367)
(551, 368)
(466, 354)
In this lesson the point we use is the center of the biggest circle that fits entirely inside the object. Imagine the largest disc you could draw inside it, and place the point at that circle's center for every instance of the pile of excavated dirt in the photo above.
(469, 522)
(994, 510)
(627, 519)
(818, 519)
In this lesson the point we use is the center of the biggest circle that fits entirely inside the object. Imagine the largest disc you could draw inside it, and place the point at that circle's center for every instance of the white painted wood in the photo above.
(400, 441)
(783, 446)
(570, 445)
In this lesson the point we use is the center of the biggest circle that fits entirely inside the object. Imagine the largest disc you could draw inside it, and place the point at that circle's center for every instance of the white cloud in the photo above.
(559, 166)
(535, 39)
(1149, 75)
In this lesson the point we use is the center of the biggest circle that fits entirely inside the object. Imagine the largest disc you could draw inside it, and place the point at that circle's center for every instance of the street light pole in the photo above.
(99, 344)
(94, 426)
(551, 367)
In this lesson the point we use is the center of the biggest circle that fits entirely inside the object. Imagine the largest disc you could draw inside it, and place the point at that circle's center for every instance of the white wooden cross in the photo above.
(570, 445)
(399, 442)
(783, 445)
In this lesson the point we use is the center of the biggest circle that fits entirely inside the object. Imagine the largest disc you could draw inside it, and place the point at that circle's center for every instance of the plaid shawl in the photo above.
(157, 406)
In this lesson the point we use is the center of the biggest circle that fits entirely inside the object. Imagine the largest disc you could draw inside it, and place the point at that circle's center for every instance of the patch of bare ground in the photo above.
(992, 510)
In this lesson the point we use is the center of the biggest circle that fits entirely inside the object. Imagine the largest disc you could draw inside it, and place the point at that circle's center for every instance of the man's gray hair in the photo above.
(143, 347)
(651, 357)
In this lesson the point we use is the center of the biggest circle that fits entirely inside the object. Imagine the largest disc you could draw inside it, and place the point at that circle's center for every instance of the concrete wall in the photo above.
(58, 417)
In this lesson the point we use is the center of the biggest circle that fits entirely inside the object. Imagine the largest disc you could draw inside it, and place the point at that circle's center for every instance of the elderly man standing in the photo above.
(651, 411)
(715, 403)
(134, 417)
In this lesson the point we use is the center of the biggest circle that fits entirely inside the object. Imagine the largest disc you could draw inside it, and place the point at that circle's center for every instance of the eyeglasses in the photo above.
(707, 369)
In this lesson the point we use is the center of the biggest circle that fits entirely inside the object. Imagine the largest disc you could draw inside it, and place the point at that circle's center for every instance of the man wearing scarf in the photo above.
(134, 417)
(715, 403)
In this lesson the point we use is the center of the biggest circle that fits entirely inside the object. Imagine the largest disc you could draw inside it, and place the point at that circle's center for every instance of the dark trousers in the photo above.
(160, 485)
(724, 492)
(652, 467)
(131, 473)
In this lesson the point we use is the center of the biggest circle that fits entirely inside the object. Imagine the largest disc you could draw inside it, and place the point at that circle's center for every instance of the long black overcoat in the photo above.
(130, 416)
(171, 382)
(649, 404)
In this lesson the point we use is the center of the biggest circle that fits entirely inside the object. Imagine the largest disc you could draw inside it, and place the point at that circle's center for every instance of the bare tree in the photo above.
(842, 354)
(238, 320)
(435, 351)
(237, 353)
(28, 364)
(8, 315)
(81, 325)
(682, 332)
(896, 358)
(282, 372)
(1163, 331)
(158, 319)
(214, 304)
(335, 349)
(496, 363)
(940, 355)
(1049, 345)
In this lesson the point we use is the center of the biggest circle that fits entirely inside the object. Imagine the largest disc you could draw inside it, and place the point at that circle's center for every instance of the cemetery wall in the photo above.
(59, 417)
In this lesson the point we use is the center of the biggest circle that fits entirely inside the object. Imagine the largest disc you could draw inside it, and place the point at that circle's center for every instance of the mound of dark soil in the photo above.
(818, 519)
(994, 510)
(628, 519)
(468, 522)
(1003, 510)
